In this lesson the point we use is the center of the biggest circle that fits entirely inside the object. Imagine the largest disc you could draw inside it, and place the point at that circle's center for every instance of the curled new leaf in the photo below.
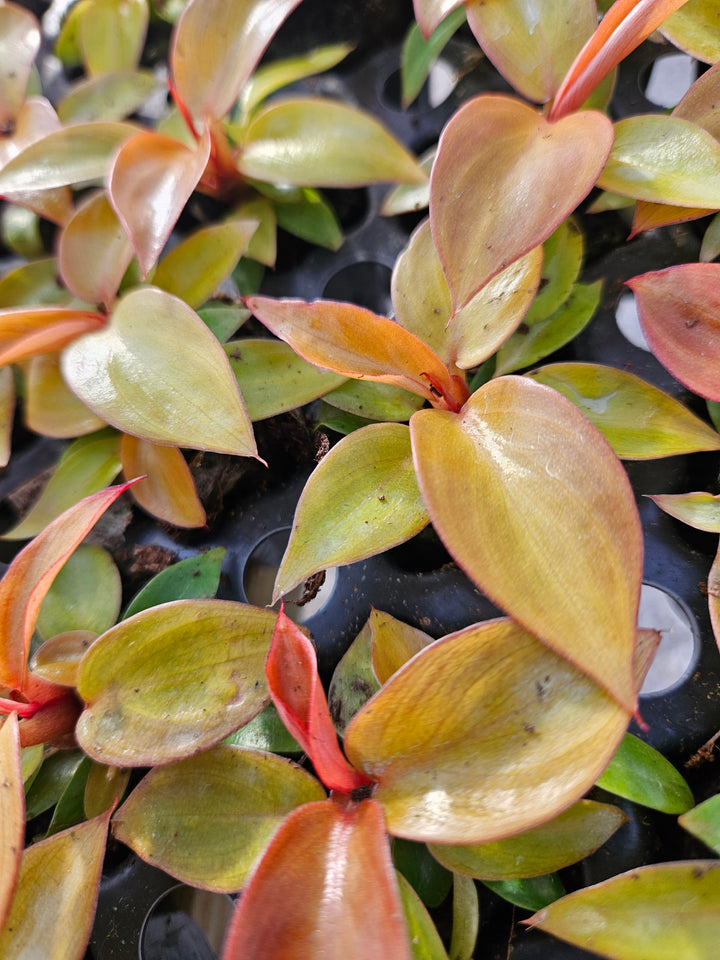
(361, 499)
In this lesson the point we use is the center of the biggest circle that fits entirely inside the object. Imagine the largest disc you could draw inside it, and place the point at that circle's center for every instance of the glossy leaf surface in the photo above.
(19, 44)
(195, 578)
(532, 50)
(319, 142)
(51, 408)
(393, 643)
(574, 834)
(110, 96)
(425, 942)
(216, 47)
(300, 700)
(640, 773)
(703, 822)
(12, 812)
(693, 28)
(497, 156)
(33, 570)
(532, 893)
(637, 419)
(526, 457)
(419, 54)
(666, 160)
(274, 379)
(94, 608)
(276, 74)
(659, 912)
(679, 310)
(361, 499)
(527, 736)
(374, 401)
(339, 899)
(700, 510)
(207, 819)
(167, 490)
(58, 659)
(355, 342)
(112, 34)
(157, 372)
(150, 181)
(139, 713)
(52, 911)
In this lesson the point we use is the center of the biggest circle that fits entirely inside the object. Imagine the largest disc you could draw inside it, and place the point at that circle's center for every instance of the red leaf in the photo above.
(325, 887)
(295, 687)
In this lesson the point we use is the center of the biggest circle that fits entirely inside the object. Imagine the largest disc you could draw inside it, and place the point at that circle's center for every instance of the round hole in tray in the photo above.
(185, 924)
(259, 578)
(628, 321)
(679, 647)
(365, 283)
(668, 79)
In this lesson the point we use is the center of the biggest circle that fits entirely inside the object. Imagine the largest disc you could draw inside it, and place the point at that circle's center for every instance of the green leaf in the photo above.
(430, 880)
(155, 371)
(338, 420)
(639, 773)
(393, 643)
(206, 820)
(637, 419)
(374, 401)
(274, 379)
(572, 835)
(266, 732)
(109, 96)
(112, 34)
(658, 912)
(312, 219)
(223, 319)
(85, 595)
(51, 781)
(139, 713)
(562, 259)
(34, 284)
(195, 578)
(353, 680)
(87, 465)
(531, 343)
(425, 942)
(361, 499)
(466, 918)
(703, 822)
(419, 54)
(70, 808)
(12, 812)
(317, 142)
(533, 893)
(693, 28)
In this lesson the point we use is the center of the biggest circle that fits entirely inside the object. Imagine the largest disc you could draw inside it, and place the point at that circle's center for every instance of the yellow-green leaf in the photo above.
(139, 712)
(12, 812)
(543, 497)
(659, 912)
(58, 659)
(206, 820)
(112, 34)
(157, 372)
(95, 607)
(393, 643)
(361, 499)
(700, 510)
(374, 401)
(703, 822)
(7, 413)
(693, 28)
(575, 833)
(110, 96)
(425, 941)
(51, 408)
(637, 419)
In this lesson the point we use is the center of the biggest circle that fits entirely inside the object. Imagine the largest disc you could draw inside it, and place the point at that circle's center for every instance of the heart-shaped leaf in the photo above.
(300, 700)
(703, 822)
(637, 419)
(356, 342)
(29, 576)
(140, 713)
(51, 408)
(217, 45)
(524, 458)
(112, 35)
(12, 812)
(150, 181)
(497, 157)
(532, 51)
(641, 774)
(109, 96)
(679, 310)
(317, 142)
(659, 912)
(361, 499)
(207, 819)
(524, 724)
(52, 911)
(340, 898)
(157, 372)
(574, 834)
(94, 251)
(19, 44)
(167, 490)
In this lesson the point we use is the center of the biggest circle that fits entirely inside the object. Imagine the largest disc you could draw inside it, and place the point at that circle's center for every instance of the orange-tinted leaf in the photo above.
(300, 700)
(543, 498)
(157, 372)
(18, 323)
(207, 819)
(658, 912)
(393, 643)
(355, 342)
(429, 13)
(94, 251)
(649, 216)
(216, 47)
(151, 180)
(7, 413)
(19, 44)
(12, 812)
(168, 491)
(623, 28)
(33, 570)
(492, 190)
(339, 899)
(361, 499)
(698, 104)
(51, 338)
(51, 408)
(52, 911)
(58, 659)
(679, 311)
(483, 734)
(532, 50)
(112, 34)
